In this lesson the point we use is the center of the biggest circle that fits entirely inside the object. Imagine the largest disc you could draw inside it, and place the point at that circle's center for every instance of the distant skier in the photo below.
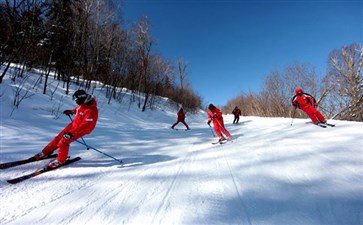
(83, 123)
(181, 118)
(236, 112)
(215, 115)
(307, 103)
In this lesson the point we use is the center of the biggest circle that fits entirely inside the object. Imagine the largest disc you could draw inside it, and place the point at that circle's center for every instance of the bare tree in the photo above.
(346, 82)
(182, 72)
(143, 44)
(21, 92)
(13, 36)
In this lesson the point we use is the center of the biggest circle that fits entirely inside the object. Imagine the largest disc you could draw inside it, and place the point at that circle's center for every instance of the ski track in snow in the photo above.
(197, 180)
(244, 211)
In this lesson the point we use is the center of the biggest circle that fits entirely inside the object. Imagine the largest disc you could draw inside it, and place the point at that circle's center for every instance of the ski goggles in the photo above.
(75, 98)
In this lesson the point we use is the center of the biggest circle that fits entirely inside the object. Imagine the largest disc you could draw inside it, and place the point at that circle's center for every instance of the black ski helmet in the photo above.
(211, 107)
(79, 96)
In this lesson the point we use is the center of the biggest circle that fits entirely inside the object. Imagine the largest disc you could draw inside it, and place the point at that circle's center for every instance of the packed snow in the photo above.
(271, 173)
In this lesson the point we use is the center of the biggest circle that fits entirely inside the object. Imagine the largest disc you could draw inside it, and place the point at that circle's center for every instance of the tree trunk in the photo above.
(4, 72)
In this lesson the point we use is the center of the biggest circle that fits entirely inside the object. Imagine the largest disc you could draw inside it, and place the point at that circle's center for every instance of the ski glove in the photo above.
(68, 112)
(68, 136)
(209, 122)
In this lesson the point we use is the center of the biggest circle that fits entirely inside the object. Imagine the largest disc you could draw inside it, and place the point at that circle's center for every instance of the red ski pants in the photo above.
(182, 121)
(61, 143)
(314, 114)
(220, 129)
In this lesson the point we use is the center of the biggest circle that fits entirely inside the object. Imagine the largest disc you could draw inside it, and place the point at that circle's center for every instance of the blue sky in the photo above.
(230, 46)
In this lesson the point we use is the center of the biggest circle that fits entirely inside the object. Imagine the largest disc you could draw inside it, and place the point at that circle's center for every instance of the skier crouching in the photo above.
(307, 103)
(83, 123)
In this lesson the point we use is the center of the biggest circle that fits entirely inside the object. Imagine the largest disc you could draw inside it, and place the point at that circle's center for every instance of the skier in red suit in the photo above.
(83, 123)
(215, 115)
(181, 118)
(307, 103)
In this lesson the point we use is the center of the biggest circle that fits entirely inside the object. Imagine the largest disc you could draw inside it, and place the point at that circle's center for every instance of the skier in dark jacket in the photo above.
(307, 103)
(236, 112)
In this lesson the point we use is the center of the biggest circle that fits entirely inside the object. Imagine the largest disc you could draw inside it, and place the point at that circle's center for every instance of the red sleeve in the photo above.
(310, 99)
(210, 115)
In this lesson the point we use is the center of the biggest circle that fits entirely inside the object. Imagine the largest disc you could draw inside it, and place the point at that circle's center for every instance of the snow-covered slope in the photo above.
(272, 173)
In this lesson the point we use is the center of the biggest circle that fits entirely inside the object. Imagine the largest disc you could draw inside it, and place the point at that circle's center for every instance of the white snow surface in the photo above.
(272, 173)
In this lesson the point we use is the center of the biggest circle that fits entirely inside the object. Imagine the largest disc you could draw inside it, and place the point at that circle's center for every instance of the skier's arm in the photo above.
(294, 102)
(70, 111)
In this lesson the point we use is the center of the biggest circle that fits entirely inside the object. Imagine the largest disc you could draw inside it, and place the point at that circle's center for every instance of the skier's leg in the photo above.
(223, 129)
(318, 115)
(185, 124)
(226, 132)
(217, 129)
(53, 144)
(63, 147)
(311, 114)
(172, 127)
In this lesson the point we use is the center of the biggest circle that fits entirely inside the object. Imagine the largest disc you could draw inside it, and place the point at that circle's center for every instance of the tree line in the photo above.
(339, 92)
(86, 40)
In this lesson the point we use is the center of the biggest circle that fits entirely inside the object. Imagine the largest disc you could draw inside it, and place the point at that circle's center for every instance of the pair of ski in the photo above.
(221, 142)
(325, 125)
(37, 172)
(180, 129)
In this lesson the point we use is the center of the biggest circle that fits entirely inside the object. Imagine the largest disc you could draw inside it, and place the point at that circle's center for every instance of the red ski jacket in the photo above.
(86, 118)
(303, 101)
(181, 116)
(215, 112)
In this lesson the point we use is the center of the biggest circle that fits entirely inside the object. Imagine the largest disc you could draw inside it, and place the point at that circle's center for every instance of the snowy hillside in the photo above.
(272, 173)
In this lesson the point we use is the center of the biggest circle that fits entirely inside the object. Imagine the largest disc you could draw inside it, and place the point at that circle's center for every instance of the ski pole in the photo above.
(90, 147)
(84, 142)
(211, 130)
(326, 111)
(293, 114)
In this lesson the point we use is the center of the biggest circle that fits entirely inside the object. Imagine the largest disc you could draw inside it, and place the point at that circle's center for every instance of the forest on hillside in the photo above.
(85, 40)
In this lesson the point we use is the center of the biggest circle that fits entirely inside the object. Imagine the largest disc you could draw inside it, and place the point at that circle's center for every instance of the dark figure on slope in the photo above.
(181, 118)
(83, 123)
(236, 112)
(307, 103)
(215, 115)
